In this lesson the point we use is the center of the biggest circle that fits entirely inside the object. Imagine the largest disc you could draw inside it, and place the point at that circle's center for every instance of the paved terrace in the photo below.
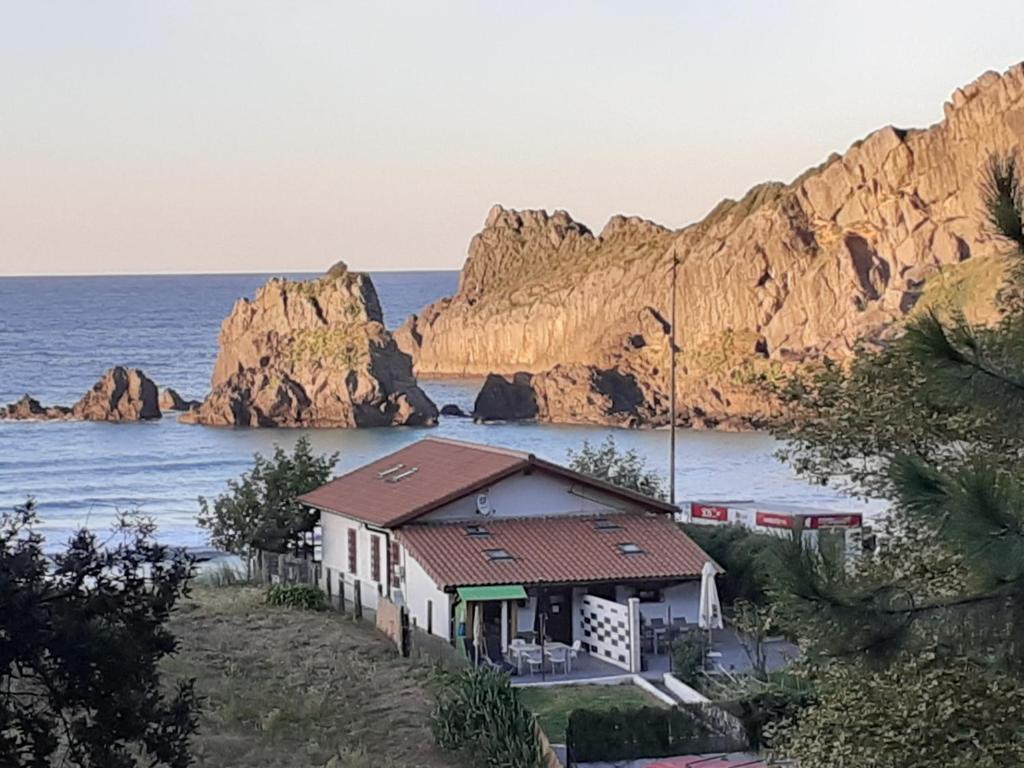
(725, 641)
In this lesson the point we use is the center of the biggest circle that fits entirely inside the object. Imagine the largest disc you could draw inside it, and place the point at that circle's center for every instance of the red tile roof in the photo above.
(554, 550)
(445, 470)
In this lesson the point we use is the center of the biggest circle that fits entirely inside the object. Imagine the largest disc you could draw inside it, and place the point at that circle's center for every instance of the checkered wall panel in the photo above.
(605, 626)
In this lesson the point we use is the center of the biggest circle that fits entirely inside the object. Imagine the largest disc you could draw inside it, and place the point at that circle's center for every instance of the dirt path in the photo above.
(296, 688)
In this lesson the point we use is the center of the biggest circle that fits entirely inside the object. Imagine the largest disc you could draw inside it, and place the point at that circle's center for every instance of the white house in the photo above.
(533, 546)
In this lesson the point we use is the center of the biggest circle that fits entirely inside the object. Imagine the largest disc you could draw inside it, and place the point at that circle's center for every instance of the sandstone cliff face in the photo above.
(122, 394)
(312, 354)
(788, 273)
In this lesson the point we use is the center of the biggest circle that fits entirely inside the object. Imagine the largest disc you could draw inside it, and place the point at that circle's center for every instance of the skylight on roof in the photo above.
(628, 548)
(390, 471)
(477, 531)
(498, 554)
(403, 475)
(604, 524)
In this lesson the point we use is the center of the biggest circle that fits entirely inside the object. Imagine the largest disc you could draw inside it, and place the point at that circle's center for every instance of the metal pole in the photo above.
(672, 391)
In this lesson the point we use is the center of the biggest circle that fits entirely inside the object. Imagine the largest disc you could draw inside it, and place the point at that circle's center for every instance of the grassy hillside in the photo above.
(298, 688)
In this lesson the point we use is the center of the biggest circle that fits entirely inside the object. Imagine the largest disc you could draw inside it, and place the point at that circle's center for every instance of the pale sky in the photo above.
(248, 135)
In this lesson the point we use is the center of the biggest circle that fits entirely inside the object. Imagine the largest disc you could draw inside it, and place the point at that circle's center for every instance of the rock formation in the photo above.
(122, 394)
(789, 273)
(312, 354)
(170, 400)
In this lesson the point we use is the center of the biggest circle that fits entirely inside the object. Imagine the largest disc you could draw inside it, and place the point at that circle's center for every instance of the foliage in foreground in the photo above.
(260, 509)
(626, 469)
(302, 596)
(80, 642)
(479, 716)
(916, 654)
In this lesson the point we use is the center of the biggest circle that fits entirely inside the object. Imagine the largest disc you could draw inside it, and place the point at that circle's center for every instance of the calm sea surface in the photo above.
(58, 334)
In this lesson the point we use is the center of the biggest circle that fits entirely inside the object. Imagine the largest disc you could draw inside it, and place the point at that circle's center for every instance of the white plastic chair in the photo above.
(535, 661)
(559, 656)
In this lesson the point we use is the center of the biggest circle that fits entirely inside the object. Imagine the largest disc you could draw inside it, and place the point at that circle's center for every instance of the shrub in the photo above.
(629, 734)
(296, 596)
(479, 716)
(688, 653)
(745, 555)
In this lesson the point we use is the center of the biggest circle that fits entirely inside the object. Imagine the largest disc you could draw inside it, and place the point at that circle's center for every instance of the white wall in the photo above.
(417, 589)
(537, 494)
(334, 543)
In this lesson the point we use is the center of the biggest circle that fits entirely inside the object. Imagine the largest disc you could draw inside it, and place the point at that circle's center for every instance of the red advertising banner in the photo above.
(707, 512)
(774, 520)
(834, 521)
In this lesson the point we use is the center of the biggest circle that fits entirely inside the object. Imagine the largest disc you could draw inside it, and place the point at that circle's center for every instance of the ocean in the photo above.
(59, 334)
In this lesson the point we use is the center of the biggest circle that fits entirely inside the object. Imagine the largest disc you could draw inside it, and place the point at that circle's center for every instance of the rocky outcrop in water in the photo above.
(170, 400)
(122, 394)
(312, 354)
(789, 273)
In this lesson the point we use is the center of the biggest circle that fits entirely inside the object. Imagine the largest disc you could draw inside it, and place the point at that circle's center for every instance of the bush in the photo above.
(688, 653)
(629, 734)
(479, 716)
(296, 596)
(746, 557)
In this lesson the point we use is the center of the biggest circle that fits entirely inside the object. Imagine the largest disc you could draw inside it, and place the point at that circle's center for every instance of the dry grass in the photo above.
(297, 688)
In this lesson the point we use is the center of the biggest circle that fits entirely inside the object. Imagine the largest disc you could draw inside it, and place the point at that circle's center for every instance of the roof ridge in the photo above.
(480, 446)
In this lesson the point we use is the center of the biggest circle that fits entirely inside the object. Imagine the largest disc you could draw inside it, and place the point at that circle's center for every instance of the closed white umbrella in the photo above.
(478, 630)
(710, 616)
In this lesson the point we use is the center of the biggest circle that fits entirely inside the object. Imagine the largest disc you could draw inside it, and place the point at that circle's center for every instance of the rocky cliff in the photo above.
(788, 273)
(121, 394)
(312, 354)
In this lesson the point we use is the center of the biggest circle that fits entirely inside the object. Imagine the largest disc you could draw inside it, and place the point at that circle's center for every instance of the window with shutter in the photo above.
(352, 551)
(375, 559)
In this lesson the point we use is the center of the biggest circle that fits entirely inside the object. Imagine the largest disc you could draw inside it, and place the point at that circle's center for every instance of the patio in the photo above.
(729, 656)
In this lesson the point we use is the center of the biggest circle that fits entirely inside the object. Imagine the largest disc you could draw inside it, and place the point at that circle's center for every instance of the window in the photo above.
(628, 548)
(353, 551)
(396, 567)
(430, 617)
(498, 554)
(604, 524)
(375, 558)
(477, 532)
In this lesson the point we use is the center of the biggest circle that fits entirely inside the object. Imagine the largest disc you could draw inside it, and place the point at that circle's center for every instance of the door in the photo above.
(560, 618)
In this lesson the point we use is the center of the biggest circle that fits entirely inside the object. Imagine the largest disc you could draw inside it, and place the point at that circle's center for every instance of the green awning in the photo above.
(500, 592)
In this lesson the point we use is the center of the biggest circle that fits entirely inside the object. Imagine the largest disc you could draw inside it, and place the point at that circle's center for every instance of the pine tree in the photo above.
(936, 617)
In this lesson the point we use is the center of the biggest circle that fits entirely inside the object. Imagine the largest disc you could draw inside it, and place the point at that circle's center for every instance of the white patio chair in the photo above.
(559, 656)
(535, 661)
(574, 650)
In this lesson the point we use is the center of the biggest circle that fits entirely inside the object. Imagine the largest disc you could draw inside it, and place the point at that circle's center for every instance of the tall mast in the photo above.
(672, 389)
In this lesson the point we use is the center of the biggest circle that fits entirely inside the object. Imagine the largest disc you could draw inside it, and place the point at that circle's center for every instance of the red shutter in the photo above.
(375, 559)
(352, 551)
(396, 556)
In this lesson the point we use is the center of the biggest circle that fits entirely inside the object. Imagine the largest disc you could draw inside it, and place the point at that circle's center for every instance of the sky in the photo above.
(260, 136)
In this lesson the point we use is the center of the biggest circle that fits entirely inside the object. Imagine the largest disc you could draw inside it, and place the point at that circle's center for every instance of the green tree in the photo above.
(626, 469)
(81, 638)
(916, 654)
(260, 511)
